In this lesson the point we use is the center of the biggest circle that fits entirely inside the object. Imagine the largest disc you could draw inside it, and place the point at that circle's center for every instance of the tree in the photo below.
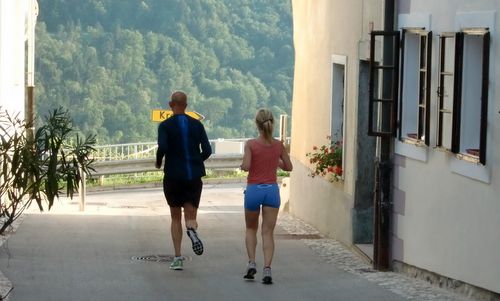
(231, 57)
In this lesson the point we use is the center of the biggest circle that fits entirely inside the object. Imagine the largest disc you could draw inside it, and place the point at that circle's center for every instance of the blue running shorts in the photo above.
(257, 195)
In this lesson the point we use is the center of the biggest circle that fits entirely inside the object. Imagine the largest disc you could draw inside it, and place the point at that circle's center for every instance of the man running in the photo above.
(179, 141)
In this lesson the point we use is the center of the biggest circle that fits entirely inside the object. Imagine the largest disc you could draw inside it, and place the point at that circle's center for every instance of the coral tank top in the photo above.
(264, 162)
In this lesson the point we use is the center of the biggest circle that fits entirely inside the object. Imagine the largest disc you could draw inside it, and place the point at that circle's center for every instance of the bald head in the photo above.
(178, 102)
(179, 97)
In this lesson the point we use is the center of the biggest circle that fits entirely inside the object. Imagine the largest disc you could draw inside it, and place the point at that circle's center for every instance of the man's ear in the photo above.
(171, 104)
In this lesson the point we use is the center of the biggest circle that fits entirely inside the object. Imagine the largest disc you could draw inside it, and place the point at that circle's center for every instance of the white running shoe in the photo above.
(251, 270)
(267, 277)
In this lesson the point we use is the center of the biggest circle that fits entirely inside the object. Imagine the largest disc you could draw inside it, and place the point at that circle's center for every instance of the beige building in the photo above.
(446, 175)
(330, 99)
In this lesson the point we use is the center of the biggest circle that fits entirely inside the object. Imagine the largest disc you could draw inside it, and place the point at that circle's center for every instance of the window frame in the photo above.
(336, 62)
(440, 90)
(456, 130)
(389, 118)
(424, 86)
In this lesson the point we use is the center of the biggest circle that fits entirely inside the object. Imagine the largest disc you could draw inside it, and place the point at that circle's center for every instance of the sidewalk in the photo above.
(108, 253)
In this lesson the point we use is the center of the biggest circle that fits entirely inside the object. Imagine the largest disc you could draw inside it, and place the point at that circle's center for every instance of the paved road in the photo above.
(67, 255)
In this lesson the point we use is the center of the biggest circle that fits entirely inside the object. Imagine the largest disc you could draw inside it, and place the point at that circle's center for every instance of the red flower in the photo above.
(338, 170)
(326, 160)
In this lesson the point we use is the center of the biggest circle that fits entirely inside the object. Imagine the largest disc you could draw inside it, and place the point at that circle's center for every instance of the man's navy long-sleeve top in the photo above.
(179, 140)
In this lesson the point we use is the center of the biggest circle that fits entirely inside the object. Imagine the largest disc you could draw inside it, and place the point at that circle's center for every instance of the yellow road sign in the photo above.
(160, 115)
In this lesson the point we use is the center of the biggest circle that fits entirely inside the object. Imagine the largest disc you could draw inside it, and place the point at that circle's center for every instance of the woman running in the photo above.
(262, 157)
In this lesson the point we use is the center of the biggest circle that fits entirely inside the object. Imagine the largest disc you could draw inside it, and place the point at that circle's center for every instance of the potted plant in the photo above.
(327, 160)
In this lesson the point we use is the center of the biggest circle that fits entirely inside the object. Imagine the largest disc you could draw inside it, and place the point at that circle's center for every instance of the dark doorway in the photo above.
(363, 195)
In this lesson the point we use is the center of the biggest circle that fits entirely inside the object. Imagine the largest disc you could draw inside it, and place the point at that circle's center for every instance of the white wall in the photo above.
(447, 211)
(12, 49)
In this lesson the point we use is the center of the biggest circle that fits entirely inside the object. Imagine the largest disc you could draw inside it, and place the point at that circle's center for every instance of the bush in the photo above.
(37, 166)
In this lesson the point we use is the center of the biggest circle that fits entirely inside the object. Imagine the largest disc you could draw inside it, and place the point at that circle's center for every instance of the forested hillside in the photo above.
(110, 62)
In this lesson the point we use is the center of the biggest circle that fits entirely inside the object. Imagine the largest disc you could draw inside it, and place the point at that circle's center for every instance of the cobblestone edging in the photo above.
(5, 284)
(345, 259)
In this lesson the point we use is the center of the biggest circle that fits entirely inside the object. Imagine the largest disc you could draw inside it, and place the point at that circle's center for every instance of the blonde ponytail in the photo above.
(264, 120)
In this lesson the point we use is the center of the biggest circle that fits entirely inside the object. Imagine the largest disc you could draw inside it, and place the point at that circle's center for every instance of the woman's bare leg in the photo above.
(269, 217)
(252, 225)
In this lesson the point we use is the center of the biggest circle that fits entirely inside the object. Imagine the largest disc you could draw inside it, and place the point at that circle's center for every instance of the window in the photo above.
(445, 90)
(337, 108)
(463, 93)
(337, 120)
(414, 107)
(383, 84)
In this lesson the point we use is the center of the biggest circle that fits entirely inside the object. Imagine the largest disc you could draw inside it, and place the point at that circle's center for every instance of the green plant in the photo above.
(327, 160)
(38, 166)
(126, 179)
(282, 173)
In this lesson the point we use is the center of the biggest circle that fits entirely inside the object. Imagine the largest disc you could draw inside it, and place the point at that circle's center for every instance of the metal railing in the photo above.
(145, 150)
(216, 161)
(134, 151)
(127, 151)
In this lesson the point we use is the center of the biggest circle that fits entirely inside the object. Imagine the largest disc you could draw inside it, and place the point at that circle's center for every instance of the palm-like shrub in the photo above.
(36, 167)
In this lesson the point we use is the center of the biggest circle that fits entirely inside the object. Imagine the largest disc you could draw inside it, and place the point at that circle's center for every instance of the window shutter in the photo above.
(484, 98)
(427, 91)
(382, 111)
(457, 93)
(401, 83)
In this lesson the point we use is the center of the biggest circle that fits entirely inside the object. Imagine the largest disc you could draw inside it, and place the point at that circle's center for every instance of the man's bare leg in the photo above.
(190, 213)
(176, 228)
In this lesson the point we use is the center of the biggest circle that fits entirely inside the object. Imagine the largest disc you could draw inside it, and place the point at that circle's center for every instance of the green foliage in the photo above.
(110, 62)
(36, 167)
(156, 177)
(126, 179)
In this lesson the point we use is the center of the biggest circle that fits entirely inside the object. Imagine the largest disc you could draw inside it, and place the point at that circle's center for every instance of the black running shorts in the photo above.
(178, 192)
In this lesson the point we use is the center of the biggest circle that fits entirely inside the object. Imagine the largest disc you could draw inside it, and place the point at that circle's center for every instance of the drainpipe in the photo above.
(383, 196)
(30, 76)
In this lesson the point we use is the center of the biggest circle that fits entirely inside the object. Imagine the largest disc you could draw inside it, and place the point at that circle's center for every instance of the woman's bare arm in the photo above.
(285, 162)
(247, 157)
